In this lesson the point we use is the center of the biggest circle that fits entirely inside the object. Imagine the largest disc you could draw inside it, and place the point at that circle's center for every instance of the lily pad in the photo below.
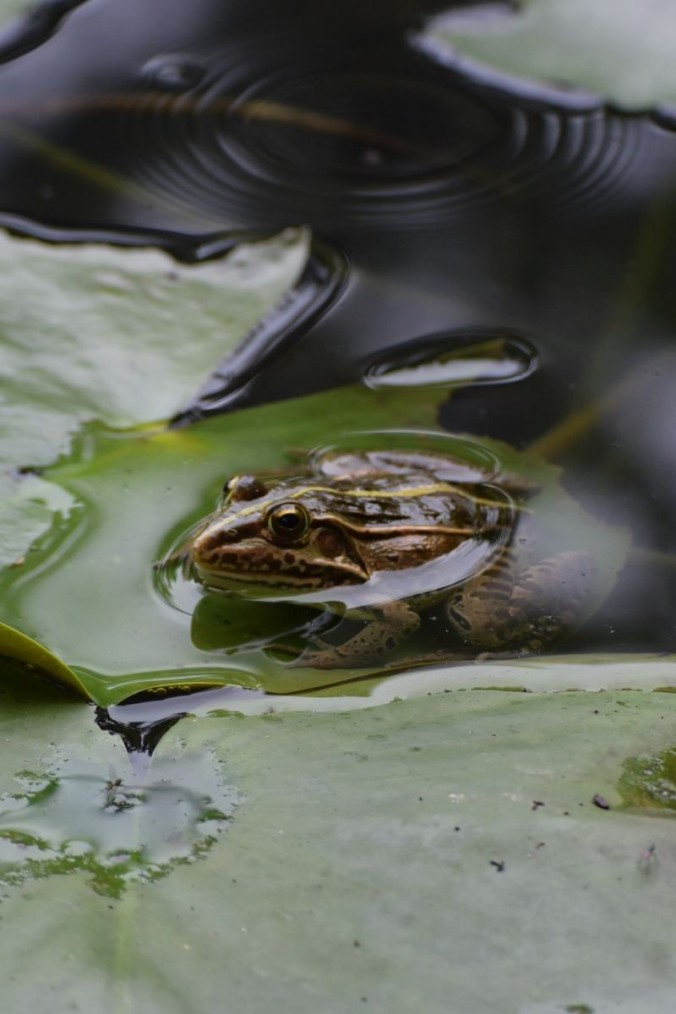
(137, 493)
(15, 645)
(391, 854)
(618, 49)
(10, 8)
(94, 594)
(122, 336)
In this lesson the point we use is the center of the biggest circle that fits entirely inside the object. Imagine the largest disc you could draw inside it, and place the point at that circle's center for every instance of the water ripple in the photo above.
(377, 138)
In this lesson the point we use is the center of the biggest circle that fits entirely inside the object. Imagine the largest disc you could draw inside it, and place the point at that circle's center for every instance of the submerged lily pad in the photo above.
(79, 816)
(649, 783)
(619, 49)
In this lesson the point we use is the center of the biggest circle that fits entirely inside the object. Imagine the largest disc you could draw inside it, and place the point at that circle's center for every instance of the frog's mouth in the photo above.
(234, 569)
(268, 583)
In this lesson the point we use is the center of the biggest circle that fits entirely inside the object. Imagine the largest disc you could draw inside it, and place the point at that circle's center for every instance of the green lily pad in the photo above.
(393, 853)
(10, 8)
(122, 336)
(619, 50)
(136, 494)
(649, 782)
(92, 592)
(15, 645)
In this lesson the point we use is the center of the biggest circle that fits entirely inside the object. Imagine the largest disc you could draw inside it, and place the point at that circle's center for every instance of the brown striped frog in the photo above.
(382, 536)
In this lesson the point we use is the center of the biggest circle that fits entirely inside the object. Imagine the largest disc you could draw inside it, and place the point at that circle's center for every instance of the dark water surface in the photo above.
(447, 212)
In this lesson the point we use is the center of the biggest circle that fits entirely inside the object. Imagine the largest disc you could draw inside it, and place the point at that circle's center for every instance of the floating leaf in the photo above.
(122, 336)
(392, 853)
(15, 645)
(101, 602)
(619, 49)
(104, 612)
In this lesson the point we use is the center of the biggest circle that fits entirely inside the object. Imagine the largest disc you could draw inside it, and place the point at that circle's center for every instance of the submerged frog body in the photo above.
(391, 521)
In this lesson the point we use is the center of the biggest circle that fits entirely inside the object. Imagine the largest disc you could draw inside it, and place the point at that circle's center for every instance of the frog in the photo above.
(381, 520)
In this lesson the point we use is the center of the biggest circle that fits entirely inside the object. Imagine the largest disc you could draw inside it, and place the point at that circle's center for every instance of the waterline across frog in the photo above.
(381, 536)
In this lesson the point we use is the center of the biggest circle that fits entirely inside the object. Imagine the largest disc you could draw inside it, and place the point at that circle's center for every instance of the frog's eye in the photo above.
(288, 521)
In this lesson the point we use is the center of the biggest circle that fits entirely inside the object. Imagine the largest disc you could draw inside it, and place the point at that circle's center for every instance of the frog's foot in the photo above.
(507, 610)
(309, 632)
(388, 625)
(500, 656)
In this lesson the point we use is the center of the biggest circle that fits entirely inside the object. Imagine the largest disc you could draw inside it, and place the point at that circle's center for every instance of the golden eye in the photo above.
(288, 521)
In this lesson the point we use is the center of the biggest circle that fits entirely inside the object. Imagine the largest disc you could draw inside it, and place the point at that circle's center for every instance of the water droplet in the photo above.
(172, 72)
(454, 359)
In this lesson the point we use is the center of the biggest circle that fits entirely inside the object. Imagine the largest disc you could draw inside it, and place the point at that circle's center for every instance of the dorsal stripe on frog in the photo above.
(412, 492)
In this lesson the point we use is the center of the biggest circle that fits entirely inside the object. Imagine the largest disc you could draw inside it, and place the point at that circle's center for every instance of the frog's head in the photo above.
(276, 536)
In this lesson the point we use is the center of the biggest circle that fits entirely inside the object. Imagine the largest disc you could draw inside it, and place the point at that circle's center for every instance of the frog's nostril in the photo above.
(210, 541)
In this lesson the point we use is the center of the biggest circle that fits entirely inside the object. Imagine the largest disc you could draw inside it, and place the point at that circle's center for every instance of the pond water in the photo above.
(512, 246)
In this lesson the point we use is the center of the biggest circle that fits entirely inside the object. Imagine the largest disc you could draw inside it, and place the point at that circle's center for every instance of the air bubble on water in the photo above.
(172, 72)
(372, 157)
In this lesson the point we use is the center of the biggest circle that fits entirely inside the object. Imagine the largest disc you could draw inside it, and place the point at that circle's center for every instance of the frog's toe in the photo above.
(314, 660)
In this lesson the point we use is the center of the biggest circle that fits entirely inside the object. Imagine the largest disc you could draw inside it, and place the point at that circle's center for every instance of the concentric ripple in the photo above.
(377, 135)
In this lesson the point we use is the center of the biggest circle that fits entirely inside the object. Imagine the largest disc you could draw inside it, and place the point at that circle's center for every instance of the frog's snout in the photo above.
(207, 547)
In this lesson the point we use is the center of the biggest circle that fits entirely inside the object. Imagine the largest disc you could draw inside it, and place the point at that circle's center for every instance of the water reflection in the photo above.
(454, 360)
(284, 126)
(78, 816)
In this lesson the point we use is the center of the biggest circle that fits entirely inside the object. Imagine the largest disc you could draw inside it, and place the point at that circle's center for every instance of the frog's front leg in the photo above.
(508, 608)
(388, 625)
